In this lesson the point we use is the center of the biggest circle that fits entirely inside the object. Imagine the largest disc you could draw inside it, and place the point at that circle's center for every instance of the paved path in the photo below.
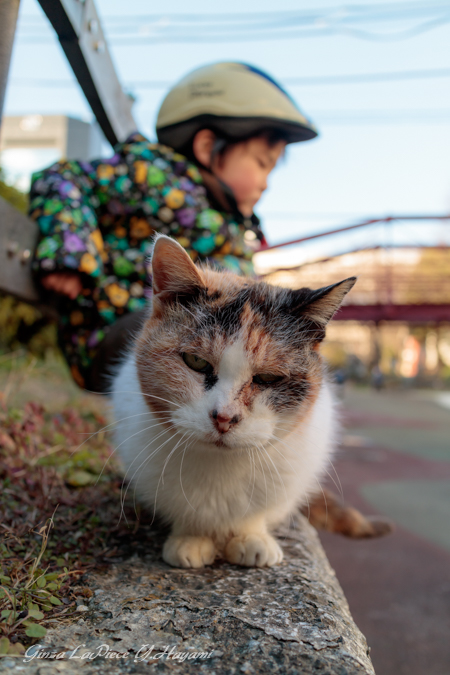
(395, 461)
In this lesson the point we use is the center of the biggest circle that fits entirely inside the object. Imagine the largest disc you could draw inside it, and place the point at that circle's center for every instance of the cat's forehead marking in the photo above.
(249, 307)
(234, 364)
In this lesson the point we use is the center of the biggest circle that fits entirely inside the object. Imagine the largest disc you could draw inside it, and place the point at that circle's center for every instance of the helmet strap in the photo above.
(219, 145)
(225, 199)
(221, 192)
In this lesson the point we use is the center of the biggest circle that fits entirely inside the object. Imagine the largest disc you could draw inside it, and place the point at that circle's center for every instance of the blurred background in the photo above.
(370, 197)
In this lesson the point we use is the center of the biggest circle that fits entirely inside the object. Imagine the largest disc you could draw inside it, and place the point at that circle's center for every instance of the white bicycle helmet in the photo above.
(234, 100)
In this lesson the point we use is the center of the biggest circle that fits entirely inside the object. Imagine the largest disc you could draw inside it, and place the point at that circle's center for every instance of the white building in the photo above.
(30, 142)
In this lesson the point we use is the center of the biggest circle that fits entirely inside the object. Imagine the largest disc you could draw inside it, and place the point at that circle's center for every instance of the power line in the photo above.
(207, 37)
(172, 26)
(277, 34)
(381, 116)
(374, 116)
(357, 78)
(365, 12)
(368, 77)
(295, 215)
(158, 29)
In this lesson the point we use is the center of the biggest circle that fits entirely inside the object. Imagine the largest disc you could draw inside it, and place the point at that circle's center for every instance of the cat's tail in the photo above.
(326, 511)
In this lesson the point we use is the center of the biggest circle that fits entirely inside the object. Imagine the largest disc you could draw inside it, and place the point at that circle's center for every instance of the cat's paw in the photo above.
(253, 550)
(189, 551)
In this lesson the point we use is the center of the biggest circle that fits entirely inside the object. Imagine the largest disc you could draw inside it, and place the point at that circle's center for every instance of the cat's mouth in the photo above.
(217, 440)
(220, 441)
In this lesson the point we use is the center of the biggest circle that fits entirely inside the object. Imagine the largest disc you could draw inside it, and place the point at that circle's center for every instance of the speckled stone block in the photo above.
(289, 619)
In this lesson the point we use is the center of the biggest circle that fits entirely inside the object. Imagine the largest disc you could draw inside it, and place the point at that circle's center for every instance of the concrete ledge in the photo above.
(292, 618)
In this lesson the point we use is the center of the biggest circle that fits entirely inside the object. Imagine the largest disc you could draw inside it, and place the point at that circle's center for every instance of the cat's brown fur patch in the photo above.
(326, 511)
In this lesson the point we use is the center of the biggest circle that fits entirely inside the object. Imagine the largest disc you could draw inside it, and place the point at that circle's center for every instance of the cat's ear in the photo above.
(320, 305)
(173, 271)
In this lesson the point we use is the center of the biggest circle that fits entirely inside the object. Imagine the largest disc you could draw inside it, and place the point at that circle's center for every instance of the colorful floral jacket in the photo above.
(97, 219)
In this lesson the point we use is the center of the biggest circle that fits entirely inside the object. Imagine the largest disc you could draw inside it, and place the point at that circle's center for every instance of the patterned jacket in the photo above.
(97, 219)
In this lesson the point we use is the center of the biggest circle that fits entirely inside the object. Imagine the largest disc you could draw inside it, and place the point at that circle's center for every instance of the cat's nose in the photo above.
(223, 422)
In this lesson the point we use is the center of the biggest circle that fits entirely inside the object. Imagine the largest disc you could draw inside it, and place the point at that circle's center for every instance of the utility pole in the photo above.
(80, 33)
(79, 30)
(9, 10)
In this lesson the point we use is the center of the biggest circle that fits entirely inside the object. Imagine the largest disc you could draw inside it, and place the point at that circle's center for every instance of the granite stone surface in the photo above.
(145, 617)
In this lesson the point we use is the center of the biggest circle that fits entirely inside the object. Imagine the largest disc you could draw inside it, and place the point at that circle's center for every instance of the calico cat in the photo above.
(228, 418)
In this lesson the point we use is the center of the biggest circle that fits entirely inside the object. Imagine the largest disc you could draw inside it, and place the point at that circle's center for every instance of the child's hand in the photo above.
(65, 283)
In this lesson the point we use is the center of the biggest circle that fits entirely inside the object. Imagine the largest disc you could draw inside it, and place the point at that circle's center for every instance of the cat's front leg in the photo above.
(182, 550)
(253, 546)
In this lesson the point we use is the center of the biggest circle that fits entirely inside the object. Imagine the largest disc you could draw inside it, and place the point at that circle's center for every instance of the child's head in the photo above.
(235, 121)
(244, 166)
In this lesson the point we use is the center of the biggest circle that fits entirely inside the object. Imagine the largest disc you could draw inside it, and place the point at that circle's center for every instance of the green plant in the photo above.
(13, 195)
(59, 515)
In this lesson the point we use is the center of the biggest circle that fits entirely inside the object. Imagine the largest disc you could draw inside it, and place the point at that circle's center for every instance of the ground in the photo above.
(395, 461)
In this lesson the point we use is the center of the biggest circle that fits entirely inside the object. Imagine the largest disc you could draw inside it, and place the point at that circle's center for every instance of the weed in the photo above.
(59, 516)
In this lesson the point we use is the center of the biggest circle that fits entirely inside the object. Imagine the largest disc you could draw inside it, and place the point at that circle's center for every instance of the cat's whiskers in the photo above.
(261, 447)
(162, 418)
(181, 469)
(247, 451)
(122, 494)
(115, 449)
(252, 473)
(279, 476)
(150, 456)
(294, 425)
(142, 464)
(263, 473)
(167, 460)
(165, 464)
(309, 508)
(291, 518)
(100, 431)
(280, 453)
(146, 459)
(324, 498)
(141, 431)
(84, 433)
(318, 483)
(338, 485)
(161, 476)
(340, 488)
(141, 393)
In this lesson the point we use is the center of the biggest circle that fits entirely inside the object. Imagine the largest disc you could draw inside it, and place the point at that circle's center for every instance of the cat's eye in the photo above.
(196, 363)
(266, 378)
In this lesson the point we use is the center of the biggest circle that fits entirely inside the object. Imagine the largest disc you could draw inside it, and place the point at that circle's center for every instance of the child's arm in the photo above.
(63, 203)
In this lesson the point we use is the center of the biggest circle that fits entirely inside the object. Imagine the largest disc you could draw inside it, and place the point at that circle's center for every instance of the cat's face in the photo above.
(230, 362)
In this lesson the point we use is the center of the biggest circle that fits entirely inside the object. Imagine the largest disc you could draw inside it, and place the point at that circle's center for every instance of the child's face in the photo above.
(245, 168)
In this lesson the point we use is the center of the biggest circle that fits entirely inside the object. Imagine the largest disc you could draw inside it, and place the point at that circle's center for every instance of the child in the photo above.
(221, 131)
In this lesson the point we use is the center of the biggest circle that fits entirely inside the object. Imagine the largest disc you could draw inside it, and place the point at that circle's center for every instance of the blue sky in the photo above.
(384, 147)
